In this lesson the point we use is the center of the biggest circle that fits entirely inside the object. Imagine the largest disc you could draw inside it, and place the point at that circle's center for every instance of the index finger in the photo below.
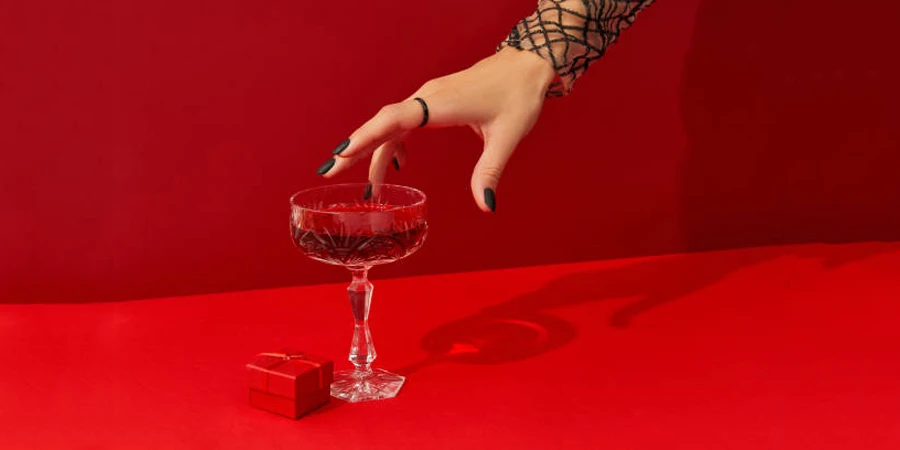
(391, 121)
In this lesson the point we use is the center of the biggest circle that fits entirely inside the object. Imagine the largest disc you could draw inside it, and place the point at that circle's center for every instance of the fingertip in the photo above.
(326, 167)
(490, 199)
(400, 155)
(485, 197)
(341, 147)
(335, 166)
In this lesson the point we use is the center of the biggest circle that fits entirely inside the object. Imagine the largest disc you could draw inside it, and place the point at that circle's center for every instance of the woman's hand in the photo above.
(499, 98)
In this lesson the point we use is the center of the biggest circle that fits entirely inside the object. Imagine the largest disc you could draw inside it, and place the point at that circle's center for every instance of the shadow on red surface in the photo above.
(522, 328)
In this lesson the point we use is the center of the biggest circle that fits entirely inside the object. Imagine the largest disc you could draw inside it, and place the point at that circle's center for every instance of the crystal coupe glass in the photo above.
(359, 226)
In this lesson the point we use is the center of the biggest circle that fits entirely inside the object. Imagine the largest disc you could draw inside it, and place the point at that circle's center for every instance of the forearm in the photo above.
(572, 34)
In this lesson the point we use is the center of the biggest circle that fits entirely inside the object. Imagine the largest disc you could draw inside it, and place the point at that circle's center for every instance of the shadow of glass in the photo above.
(493, 339)
(521, 328)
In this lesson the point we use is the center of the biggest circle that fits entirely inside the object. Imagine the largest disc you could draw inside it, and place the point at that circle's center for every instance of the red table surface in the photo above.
(787, 347)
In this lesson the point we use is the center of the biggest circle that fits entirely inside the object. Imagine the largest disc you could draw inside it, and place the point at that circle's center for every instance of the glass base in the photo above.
(377, 385)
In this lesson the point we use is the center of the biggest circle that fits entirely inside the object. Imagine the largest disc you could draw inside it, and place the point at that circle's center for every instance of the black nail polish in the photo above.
(324, 168)
(396, 163)
(490, 199)
(341, 147)
(368, 193)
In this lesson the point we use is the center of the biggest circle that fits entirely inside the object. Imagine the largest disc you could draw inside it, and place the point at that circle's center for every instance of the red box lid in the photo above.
(290, 374)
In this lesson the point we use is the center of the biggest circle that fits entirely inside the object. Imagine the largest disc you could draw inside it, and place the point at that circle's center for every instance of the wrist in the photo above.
(530, 66)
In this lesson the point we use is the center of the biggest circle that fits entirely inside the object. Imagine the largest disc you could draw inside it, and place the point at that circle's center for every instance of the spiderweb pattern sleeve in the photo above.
(572, 34)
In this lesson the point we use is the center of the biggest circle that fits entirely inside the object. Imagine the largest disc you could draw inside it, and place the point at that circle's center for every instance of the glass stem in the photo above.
(362, 351)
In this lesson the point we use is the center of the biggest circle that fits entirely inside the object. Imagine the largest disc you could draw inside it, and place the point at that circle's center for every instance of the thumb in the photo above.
(499, 145)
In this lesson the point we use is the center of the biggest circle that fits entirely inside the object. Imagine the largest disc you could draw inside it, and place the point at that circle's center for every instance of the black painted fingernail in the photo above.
(490, 199)
(341, 147)
(396, 163)
(324, 168)
(368, 193)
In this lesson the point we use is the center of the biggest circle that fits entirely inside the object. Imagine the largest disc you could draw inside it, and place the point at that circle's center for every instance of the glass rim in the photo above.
(418, 203)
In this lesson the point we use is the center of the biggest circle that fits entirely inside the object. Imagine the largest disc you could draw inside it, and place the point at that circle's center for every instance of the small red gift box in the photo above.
(290, 383)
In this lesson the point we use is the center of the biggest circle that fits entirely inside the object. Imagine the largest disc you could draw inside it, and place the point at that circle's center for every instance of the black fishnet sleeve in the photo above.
(572, 34)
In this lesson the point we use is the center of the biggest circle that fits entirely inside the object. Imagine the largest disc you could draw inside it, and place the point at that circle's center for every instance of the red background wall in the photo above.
(149, 148)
